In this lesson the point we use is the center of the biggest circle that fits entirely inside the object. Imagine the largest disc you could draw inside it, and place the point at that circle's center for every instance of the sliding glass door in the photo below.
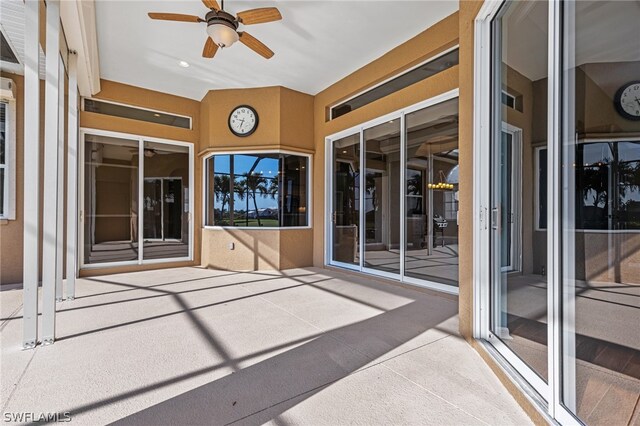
(431, 194)
(399, 217)
(166, 201)
(110, 212)
(135, 190)
(600, 205)
(557, 167)
(382, 197)
(518, 286)
(345, 201)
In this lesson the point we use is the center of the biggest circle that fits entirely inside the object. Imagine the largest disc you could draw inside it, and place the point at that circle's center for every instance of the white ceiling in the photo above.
(316, 44)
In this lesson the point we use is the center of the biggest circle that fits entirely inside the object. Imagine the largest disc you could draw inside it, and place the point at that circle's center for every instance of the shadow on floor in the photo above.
(262, 391)
(265, 390)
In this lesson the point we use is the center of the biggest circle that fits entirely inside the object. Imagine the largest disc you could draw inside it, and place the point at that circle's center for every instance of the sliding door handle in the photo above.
(495, 218)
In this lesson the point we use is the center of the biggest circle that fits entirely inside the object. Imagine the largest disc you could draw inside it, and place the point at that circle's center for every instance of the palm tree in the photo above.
(222, 190)
(254, 183)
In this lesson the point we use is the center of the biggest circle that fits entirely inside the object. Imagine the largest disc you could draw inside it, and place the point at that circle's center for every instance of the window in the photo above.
(257, 190)
(7, 160)
(422, 72)
(134, 113)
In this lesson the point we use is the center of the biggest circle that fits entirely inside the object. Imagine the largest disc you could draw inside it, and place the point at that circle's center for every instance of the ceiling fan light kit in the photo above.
(222, 27)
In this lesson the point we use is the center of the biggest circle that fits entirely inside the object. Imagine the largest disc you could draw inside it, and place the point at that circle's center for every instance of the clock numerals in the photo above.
(628, 100)
(243, 121)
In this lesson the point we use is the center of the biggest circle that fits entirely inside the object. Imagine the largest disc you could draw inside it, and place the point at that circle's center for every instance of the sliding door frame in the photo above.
(547, 397)
(81, 198)
(329, 199)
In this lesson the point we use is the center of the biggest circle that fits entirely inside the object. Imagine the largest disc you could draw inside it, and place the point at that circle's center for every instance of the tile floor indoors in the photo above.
(304, 346)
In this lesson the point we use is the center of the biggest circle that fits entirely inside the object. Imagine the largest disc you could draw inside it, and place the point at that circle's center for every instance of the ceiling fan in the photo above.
(222, 27)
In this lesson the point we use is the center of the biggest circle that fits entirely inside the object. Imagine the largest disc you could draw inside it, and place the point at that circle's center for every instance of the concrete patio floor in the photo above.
(305, 346)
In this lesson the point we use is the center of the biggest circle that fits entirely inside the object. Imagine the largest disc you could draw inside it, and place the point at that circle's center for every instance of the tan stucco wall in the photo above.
(430, 42)
(285, 123)
(253, 250)
(468, 11)
(11, 231)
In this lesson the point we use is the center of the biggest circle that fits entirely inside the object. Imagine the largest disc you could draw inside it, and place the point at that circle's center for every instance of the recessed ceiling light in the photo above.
(156, 115)
(184, 64)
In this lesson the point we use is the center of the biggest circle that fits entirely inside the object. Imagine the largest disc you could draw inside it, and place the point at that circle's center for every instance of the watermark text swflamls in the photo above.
(30, 417)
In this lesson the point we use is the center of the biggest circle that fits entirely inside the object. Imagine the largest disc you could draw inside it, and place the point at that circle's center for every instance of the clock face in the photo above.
(628, 100)
(243, 120)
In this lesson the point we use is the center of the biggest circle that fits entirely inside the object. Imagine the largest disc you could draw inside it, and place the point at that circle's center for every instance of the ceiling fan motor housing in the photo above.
(221, 17)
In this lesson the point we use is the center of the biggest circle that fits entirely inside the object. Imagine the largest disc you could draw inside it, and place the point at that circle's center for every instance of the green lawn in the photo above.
(267, 223)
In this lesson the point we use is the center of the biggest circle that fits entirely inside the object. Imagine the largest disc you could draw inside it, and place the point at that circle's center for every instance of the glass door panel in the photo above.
(166, 201)
(110, 219)
(152, 204)
(518, 241)
(345, 215)
(431, 193)
(382, 197)
(600, 235)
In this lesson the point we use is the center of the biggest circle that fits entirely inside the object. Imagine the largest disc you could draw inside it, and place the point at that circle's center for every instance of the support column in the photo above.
(31, 189)
(60, 186)
(72, 178)
(50, 202)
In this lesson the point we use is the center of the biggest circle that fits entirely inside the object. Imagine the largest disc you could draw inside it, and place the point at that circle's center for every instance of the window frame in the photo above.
(83, 132)
(309, 192)
(8, 211)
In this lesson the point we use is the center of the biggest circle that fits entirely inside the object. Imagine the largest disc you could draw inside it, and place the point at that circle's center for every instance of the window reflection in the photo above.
(601, 215)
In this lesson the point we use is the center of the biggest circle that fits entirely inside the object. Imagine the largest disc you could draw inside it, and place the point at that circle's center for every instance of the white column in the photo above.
(31, 191)
(72, 178)
(50, 199)
(60, 186)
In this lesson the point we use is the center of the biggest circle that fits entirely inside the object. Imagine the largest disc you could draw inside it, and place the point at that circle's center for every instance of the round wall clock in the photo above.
(627, 100)
(243, 120)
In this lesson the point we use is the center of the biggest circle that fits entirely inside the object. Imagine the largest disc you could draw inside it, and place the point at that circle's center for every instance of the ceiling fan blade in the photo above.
(175, 17)
(259, 16)
(210, 48)
(256, 45)
(211, 4)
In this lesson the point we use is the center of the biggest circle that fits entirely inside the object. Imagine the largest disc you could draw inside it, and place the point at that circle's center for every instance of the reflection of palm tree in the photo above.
(595, 182)
(414, 185)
